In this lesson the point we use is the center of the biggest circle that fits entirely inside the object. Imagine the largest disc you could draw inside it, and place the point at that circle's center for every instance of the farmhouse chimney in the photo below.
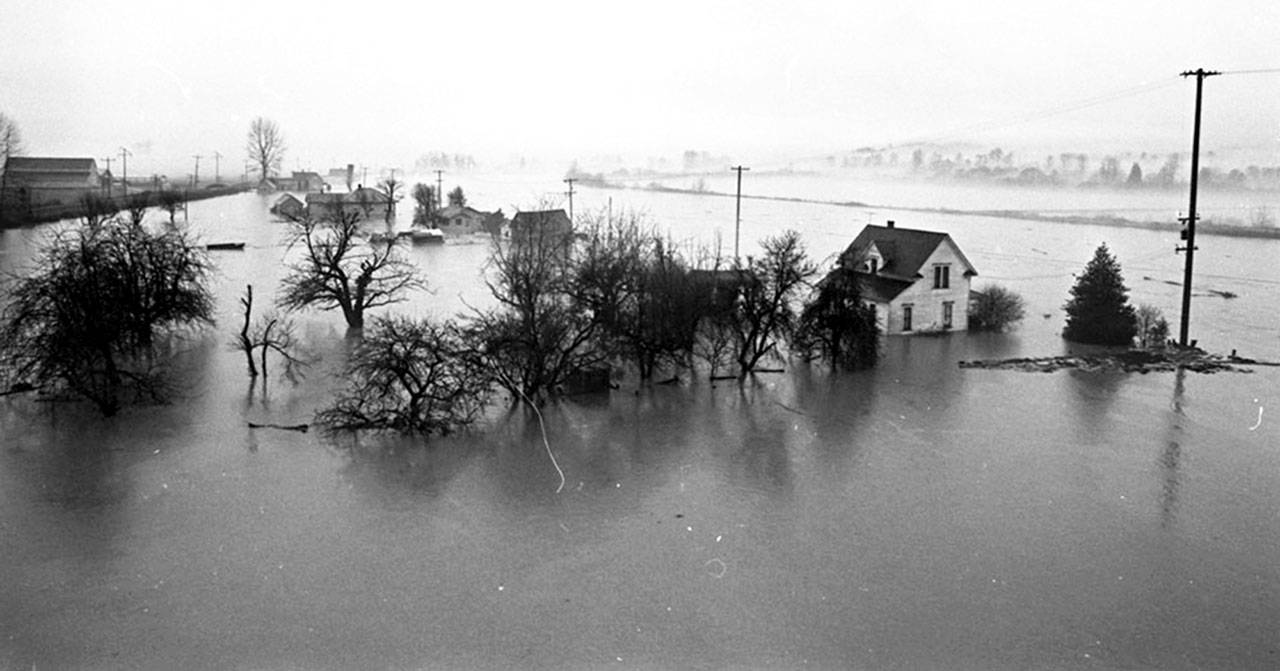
(889, 224)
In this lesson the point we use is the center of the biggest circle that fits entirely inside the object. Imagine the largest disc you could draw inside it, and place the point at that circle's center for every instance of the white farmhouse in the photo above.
(918, 281)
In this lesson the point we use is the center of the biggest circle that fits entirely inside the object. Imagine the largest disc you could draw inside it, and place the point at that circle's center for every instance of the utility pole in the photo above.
(439, 191)
(570, 181)
(108, 160)
(1189, 233)
(124, 172)
(195, 179)
(737, 215)
(216, 161)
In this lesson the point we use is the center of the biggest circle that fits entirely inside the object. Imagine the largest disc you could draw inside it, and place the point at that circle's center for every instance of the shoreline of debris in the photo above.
(1129, 361)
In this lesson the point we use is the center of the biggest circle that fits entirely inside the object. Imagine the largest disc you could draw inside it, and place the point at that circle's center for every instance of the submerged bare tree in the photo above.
(136, 206)
(413, 376)
(10, 140)
(265, 146)
(765, 313)
(97, 208)
(340, 268)
(171, 200)
(640, 290)
(93, 315)
(271, 333)
(391, 188)
(538, 335)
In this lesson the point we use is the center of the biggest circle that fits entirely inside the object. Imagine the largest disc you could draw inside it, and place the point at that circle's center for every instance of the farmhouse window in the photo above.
(941, 276)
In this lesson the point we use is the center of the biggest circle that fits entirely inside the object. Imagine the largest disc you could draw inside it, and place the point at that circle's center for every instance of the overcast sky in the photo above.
(376, 84)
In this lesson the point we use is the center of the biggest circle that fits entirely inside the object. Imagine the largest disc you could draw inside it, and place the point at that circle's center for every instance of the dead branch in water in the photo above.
(300, 428)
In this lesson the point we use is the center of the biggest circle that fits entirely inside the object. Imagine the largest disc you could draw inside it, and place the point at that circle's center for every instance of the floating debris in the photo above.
(1130, 361)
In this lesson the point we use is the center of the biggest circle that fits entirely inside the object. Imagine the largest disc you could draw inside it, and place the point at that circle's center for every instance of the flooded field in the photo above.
(916, 516)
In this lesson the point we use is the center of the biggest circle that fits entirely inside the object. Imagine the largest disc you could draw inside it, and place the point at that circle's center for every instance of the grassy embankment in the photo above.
(61, 211)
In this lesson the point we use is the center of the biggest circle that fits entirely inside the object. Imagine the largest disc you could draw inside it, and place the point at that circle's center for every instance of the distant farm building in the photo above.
(289, 207)
(367, 203)
(31, 183)
(917, 280)
(455, 220)
(542, 225)
(300, 182)
(343, 176)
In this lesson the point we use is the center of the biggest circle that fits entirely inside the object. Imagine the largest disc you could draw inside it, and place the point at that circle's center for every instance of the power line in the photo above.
(1056, 110)
(1249, 72)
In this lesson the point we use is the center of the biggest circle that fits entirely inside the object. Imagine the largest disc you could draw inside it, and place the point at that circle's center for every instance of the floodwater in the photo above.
(916, 516)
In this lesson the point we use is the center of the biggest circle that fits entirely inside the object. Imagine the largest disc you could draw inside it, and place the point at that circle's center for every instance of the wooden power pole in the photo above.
(439, 191)
(737, 213)
(570, 181)
(1189, 233)
(124, 171)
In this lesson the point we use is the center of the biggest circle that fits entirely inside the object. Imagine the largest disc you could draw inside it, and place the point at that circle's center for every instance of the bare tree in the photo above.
(391, 188)
(341, 268)
(91, 316)
(411, 376)
(713, 335)
(265, 146)
(10, 140)
(765, 313)
(136, 205)
(96, 209)
(538, 335)
(271, 333)
(639, 290)
(171, 200)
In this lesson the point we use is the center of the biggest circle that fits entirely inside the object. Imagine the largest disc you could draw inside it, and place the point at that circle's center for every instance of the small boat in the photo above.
(427, 236)
(225, 246)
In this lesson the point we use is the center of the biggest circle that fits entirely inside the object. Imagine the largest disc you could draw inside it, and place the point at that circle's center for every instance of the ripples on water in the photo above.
(913, 516)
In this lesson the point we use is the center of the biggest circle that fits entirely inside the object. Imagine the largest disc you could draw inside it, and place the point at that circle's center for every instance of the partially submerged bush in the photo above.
(995, 308)
(1153, 329)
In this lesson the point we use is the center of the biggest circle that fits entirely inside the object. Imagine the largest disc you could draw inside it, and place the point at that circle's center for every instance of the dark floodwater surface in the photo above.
(917, 516)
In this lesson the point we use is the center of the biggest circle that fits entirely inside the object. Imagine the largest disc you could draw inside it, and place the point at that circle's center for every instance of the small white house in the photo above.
(918, 281)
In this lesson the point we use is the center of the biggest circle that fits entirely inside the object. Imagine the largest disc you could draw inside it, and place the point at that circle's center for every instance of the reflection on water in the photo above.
(916, 515)
(1172, 453)
(1093, 395)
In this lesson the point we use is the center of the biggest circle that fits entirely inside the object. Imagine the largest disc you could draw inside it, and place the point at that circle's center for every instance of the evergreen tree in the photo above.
(457, 198)
(1098, 312)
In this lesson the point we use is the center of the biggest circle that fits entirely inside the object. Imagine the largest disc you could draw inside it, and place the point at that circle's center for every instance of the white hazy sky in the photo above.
(379, 84)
